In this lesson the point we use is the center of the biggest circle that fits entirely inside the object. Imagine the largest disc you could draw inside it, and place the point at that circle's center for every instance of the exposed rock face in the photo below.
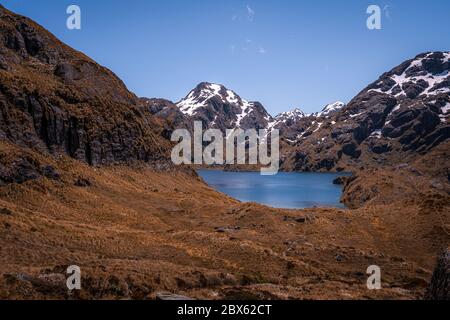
(405, 113)
(171, 115)
(439, 288)
(55, 99)
(23, 169)
(291, 124)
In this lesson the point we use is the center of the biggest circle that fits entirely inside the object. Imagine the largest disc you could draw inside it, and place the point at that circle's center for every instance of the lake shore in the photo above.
(288, 190)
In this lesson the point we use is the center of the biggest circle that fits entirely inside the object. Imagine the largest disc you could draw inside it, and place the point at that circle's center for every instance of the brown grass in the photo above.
(136, 231)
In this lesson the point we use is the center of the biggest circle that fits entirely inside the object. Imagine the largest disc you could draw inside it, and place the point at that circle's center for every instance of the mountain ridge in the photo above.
(403, 114)
(58, 101)
(386, 123)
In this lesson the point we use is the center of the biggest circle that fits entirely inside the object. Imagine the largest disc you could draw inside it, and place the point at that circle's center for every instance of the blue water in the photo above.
(284, 190)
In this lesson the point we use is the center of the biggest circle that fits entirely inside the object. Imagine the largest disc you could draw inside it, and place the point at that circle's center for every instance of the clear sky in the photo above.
(284, 53)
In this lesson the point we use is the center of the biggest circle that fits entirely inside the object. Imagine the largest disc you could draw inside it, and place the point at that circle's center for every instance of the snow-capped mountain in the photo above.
(290, 123)
(221, 108)
(330, 109)
(403, 114)
(291, 116)
(426, 75)
(293, 124)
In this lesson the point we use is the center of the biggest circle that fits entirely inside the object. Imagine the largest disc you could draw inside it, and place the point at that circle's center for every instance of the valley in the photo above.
(136, 232)
(86, 178)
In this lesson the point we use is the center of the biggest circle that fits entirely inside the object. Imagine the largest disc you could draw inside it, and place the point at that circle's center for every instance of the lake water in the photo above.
(284, 190)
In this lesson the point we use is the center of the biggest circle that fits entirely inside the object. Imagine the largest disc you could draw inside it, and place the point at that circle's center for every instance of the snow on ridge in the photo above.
(329, 108)
(291, 115)
(284, 117)
(357, 114)
(190, 104)
(376, 134)
(319, 125)
(199, 99)
(431, 79)
(246, 109)
(447, 56)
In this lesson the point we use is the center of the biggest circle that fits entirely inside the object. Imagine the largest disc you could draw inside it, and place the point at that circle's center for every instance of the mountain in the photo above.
(56, 100)
(329, 110)
(221, 108)
(293, 124)
(402, 115)
(169, 113)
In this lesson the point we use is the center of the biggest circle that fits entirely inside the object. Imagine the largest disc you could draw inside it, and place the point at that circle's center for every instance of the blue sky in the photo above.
(284, 53)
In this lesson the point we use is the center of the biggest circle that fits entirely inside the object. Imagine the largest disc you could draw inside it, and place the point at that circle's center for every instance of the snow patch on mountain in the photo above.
(416, 74)
(376, 134)
(290, 115)
(246, 109)
(208, 98)
(200, 96)
(445, 108)
(329, 109)
(191, 104)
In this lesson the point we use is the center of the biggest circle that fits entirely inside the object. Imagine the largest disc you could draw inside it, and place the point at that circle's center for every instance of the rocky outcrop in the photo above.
(439, 288)
(24, 169)
(56, 100)
(171, 117)
(291, 124)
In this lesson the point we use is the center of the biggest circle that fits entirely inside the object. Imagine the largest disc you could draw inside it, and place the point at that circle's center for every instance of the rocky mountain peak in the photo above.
(291, 115)
(330, 109)
(204, 92)
(220, 107)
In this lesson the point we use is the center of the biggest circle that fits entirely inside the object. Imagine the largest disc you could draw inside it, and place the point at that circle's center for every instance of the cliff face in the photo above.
(56, 100)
